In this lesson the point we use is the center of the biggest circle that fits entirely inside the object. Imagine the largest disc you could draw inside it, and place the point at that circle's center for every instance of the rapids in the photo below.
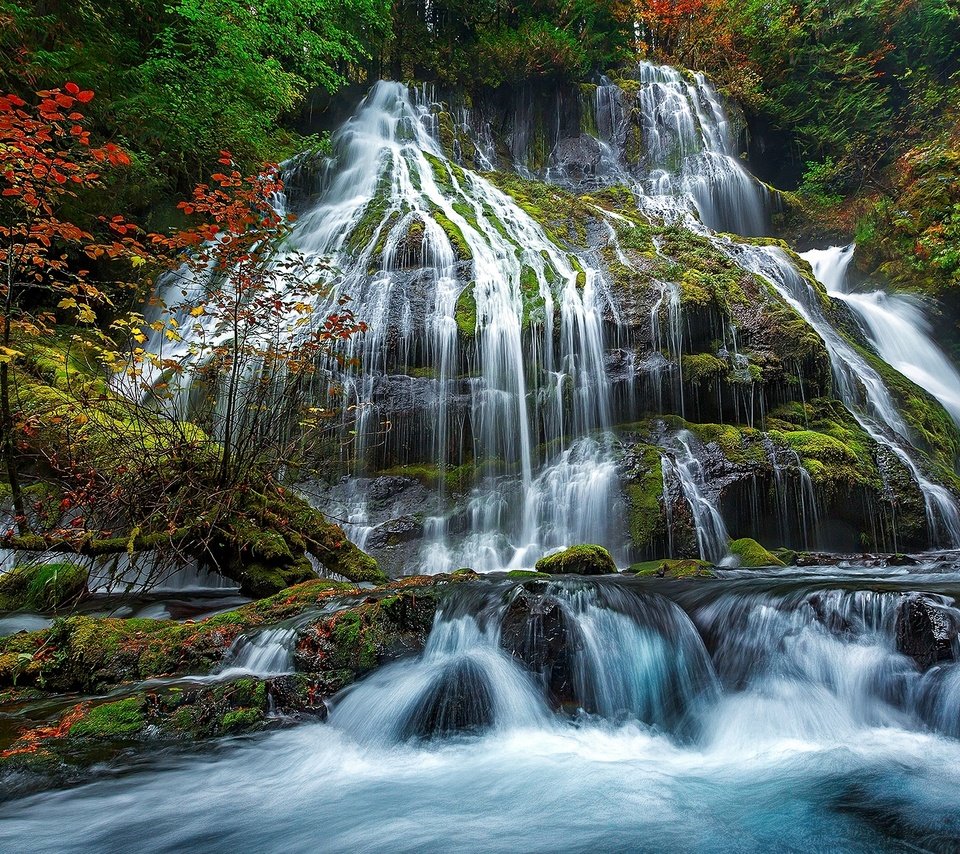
(751, 713)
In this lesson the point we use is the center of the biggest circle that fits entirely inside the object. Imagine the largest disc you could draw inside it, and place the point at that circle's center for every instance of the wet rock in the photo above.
(577, 158)
(578, 560)
(387, 487)
(395, 531)
(536, 631)
(926, 631)
(459, 700)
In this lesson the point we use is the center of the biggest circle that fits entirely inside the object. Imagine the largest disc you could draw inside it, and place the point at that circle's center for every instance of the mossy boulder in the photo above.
(578, 560)
(355, 641)
(751, 554)
(47, 587)
(124, 718)
(673, 568)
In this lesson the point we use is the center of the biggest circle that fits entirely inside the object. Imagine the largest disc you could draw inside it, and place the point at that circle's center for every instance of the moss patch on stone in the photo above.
(111, 720)
(673, 568)
(578, 560)
(751, 554)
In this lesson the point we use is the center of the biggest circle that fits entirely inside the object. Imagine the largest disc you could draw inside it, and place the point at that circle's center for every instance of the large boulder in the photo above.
(578, 560)
(926, 631)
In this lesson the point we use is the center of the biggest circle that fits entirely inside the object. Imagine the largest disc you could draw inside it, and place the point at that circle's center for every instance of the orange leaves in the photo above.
(31, 740)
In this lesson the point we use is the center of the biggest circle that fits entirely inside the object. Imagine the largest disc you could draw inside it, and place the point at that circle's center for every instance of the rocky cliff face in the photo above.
(576, 335)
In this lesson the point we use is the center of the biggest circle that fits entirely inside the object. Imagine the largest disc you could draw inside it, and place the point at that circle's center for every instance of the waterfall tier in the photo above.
(562, 349)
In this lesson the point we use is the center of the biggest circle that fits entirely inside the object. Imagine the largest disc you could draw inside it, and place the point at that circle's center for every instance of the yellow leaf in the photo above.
(67, 303)
(198, 310)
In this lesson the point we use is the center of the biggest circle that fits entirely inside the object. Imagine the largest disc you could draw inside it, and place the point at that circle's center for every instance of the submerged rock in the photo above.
(578, 560)
(459, 700)
(926, 631)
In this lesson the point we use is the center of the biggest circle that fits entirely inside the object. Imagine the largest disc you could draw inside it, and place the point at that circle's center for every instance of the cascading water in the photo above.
(485, 370)
(858, 384)
(534, 351)
(687, 151)
(752, 713)
(896, 327)
(712, 536)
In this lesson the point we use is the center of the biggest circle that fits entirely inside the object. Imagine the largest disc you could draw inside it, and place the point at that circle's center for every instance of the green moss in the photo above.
(644, 496)
(751, 554)
(578, 560)
(430, 474)
(465, 312)
(123, 718)
(673, 568)
(43, 587)
(461, 249)
(533, 305)
(241, 720)
(372, 218)
(701, 368)
(523, 574)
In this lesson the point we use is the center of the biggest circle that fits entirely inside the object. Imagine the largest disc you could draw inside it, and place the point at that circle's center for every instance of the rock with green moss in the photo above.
(47, 587)
(750, 554)
(578, 560)
(124, 718)
(673, 568)
(354, 641)
(525, 574)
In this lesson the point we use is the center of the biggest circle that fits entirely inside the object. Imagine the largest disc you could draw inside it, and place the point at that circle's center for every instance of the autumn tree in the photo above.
(246, 322)
(46, 158)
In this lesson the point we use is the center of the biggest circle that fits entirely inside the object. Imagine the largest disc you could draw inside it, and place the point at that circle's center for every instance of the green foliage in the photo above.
(43, 587)
(180, 80)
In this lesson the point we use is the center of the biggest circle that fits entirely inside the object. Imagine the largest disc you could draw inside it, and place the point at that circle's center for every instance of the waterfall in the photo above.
(485, 372)
(895, 326)
(858, 385)
(712, 536)
(686, 155)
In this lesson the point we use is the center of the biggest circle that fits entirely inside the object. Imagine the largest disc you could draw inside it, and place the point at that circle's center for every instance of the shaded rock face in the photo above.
(576, 159)
(926, 632)
(536, 631)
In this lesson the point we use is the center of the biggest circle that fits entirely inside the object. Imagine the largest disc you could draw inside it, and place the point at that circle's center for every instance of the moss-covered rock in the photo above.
(578, 560)
(673, 568)
(750, 554)
(354, 641)
(43, 587)
(124, 718)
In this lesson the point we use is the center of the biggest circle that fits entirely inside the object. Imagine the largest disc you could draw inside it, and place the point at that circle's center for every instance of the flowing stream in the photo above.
(752, 714)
